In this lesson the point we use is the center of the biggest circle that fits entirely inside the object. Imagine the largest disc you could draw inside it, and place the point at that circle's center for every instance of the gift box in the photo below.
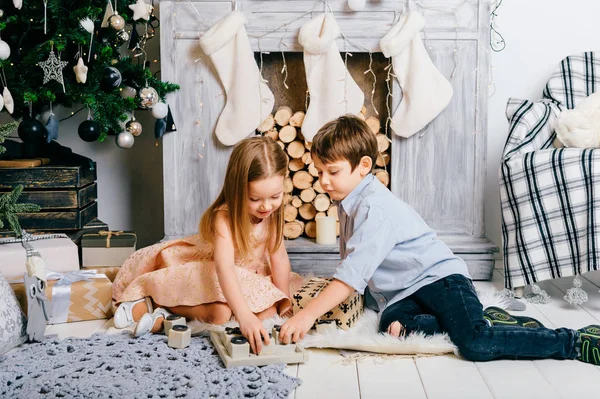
(107, 248)
(75, 296)
(109, 271)
(345, 315)
(59, 254)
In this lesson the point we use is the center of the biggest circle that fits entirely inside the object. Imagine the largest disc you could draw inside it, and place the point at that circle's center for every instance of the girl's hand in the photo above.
(296, 328)
(253, 329)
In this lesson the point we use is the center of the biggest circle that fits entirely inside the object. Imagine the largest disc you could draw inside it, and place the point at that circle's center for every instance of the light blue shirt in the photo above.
(386, 246)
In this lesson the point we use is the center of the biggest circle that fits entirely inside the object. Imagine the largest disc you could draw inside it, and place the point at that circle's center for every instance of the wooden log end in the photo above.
(282, 115)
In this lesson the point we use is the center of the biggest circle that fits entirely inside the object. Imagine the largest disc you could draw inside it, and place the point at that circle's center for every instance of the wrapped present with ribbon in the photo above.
(345, 315)
(57, 250)
(107, 248)
(76, 296)
(110, 271)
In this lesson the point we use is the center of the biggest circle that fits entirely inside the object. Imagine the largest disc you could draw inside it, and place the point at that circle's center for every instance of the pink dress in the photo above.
(182, 272)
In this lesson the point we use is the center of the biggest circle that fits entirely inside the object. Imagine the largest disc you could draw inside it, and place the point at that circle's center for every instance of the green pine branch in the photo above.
(5, 131)
(10, 208)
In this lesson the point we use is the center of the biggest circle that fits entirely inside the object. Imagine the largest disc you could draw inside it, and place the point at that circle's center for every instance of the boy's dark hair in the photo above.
(345, 138)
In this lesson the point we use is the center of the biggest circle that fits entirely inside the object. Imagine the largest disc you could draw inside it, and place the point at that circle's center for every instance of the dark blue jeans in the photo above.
(451, 305)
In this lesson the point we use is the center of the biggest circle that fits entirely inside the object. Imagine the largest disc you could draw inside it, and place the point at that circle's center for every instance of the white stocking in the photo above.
(425, 91)
(249, 99)
(333, 92)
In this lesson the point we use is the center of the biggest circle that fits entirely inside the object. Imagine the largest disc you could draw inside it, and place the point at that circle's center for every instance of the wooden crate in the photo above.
(48, 177)
(66, 195)
(61, 199)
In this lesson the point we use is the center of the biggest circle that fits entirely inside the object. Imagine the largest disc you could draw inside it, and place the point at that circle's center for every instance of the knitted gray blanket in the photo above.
(118, 366)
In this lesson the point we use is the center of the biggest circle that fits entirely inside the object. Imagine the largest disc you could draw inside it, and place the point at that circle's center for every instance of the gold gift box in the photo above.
(345, 315)
(89, 299)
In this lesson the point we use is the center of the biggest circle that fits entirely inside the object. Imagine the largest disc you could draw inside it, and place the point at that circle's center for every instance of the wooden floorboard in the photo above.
(324, 377)
(451, 377)
(387, 378)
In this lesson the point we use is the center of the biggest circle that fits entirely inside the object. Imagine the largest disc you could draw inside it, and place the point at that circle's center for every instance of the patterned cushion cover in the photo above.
(13, 322)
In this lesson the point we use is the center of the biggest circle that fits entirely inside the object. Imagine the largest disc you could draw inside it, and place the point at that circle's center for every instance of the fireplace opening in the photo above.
(304, 198)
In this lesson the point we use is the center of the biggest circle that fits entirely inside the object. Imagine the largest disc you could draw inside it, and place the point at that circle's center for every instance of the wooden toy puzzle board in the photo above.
(274, 353)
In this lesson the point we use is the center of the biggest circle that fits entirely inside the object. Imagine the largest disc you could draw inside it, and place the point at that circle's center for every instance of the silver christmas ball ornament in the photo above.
(1, 13)
(160, 110)
(122, 35)
(116, 22)
(125, 140)
(134, 127)
(128, 92)
(148, 97)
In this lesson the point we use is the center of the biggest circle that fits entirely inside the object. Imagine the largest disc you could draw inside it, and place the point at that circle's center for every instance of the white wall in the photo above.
(538, 33)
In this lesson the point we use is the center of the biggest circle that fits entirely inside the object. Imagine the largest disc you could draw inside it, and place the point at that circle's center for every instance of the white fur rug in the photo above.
(365, 337)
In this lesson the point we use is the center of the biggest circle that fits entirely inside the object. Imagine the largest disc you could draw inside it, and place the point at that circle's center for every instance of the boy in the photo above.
(410, 277)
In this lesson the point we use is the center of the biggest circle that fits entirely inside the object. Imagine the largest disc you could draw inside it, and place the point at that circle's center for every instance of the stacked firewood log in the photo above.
(304, 199)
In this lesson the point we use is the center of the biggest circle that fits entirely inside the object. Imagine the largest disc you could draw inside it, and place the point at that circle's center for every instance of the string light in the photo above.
(370, 70)
(497, 42)
(284, 69)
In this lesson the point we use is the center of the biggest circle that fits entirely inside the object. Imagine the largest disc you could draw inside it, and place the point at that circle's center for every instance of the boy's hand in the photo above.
(253, 329)
(296, 328)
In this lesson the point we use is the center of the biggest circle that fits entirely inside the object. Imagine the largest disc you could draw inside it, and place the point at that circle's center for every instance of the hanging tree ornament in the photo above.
(51, 127)
(111, 80)
(160, 110)
(122, 36)
(128, 92)
(6, 99)
(107, 14)
(135, 38)
(18, 4)
(31, 130)
(133, 126)
(87, 24)
(53, 68)
(4, 50)
(80, 71)
(116, 22)
(9, 103)
(170, 122)
(148, 97)
(89, 130)
(125, 140)
(160, 126)
(141, 10)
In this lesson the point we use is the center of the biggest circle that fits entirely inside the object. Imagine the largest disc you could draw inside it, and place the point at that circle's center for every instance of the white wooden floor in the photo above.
(445, 377)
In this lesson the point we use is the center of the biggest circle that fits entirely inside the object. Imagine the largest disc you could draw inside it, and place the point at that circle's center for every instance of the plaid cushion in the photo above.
(550, 197)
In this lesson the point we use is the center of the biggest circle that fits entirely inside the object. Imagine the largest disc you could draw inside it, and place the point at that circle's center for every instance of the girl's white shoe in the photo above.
(144, 326)
(123, 317)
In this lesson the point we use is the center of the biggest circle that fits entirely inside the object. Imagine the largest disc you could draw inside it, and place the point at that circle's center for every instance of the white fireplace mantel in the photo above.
(440, 172)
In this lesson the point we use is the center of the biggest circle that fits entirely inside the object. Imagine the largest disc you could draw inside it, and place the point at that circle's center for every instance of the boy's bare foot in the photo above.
(396, 329)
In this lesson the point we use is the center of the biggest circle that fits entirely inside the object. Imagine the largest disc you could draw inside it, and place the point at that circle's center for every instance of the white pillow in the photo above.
(13, 323)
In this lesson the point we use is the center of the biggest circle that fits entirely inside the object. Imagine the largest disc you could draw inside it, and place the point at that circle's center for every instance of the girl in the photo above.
(236, 265)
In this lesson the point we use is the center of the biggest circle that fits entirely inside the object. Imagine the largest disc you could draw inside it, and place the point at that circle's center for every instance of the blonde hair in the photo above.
(345, 138)
(253, 159)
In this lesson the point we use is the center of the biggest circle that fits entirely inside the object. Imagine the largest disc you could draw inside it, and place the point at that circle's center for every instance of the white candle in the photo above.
(326, 230)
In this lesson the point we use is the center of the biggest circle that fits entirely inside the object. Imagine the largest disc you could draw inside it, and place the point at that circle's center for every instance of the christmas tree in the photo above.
(71, 52)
